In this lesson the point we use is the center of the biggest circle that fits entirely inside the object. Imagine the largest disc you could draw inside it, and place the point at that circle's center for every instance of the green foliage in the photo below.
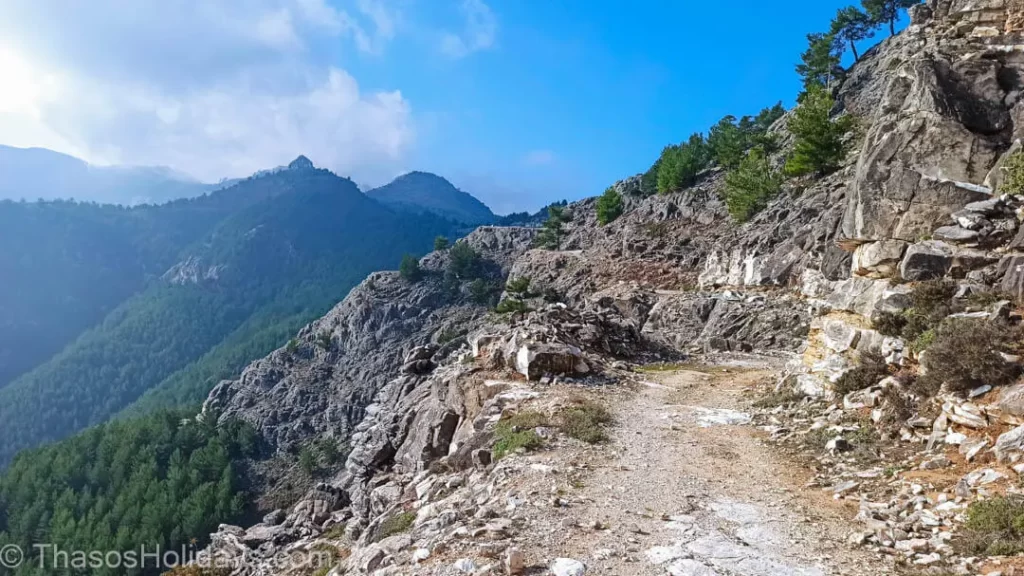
(292, 347)
(322, 455)
(751, 185)
(324, 340)
(882, 12)
(649, 181)
(281, 260)
(609, 206)
(441, 243)
(551, 235)
(1013, 174)
(517, 433)
(512, 306)
(850, 26)
(994, 527)
(586, 421)
(162, 480)
(396, 524)
(728, 143)
(819, 64)
(871, 370)
(519, 287)
(483, 292)
(463, 261)
(819, 146)
(409, 269)
(681, 164)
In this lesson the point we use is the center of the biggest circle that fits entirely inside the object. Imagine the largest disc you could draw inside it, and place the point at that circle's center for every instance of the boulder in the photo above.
(926, 261)
(536, 360)
(878, 259)
(955, 234)
(1011, 401)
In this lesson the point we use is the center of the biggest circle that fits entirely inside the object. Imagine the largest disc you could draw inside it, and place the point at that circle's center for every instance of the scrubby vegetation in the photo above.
(965, 355)
(396, 524)
(586, 421)
(517, 433)
(409, 269)
(994, 527)
(441, 243)
(551, 235)
(1013, 174)
(870, 371)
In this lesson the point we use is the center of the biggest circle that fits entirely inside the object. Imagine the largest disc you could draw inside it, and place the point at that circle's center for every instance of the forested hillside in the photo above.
(423, 192)
(66, 265)
(166, 480)
(257, 276)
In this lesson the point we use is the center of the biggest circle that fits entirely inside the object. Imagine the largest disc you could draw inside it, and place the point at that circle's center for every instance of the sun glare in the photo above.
(22, 86)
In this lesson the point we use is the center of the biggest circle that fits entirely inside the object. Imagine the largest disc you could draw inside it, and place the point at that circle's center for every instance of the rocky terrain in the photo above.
(466, 452)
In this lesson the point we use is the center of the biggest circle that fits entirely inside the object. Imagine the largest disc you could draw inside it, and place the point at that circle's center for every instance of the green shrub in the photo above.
(441, 243)
(871, 370)
(292, 347)
(889, 324)
(325, 340)
(586, 422)
(819, 146)
(1013, 174)
(965, 355)
(519, 287)
(749, 187)
(993, 527)
(396, 524)
(609, 206)
(463, 261)
(483, 292)
(410, 268)
(512, 306)
(517, 432)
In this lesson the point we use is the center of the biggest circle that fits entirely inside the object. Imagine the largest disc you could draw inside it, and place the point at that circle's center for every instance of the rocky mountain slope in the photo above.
(814, 280)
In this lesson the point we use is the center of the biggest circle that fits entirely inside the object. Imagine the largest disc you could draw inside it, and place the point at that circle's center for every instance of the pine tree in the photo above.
(681, 164)
(882, 12)
(819, 147)
(819, 64)
(728, 142)
(749, 187)
(609, 206)
(441, 243)
(849, 27)
(410, 268)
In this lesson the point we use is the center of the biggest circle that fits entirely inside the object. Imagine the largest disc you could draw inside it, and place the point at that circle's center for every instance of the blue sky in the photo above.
(520, 102)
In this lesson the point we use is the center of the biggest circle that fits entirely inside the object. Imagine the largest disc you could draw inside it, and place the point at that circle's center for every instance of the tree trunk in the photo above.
(892, 27)
(856, 56)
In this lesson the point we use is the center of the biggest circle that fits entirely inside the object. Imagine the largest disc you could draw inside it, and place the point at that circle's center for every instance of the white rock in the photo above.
(465, 565)
(420, 554)
(662, 554)
(567, 567)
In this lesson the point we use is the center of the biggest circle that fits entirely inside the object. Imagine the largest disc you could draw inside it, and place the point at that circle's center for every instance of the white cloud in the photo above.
(214, 89)
(479, 33)
(539, 158)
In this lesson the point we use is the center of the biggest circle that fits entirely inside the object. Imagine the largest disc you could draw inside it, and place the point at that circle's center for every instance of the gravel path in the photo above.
(687, 488)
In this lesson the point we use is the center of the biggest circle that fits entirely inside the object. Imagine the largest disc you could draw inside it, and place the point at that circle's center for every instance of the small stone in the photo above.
(515, 561)
(935, 463)
(465, 566)
(567, 567)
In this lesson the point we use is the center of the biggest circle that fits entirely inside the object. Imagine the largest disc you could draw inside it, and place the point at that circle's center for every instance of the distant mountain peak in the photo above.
(301, 163)
(427, 192)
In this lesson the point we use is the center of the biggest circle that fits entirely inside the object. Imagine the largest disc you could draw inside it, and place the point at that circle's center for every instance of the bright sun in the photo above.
(22, 86)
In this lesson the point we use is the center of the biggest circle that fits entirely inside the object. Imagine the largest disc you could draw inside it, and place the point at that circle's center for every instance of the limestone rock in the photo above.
(926, 261)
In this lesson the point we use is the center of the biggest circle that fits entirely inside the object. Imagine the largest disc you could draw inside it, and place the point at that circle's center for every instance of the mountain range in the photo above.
(112, 309)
